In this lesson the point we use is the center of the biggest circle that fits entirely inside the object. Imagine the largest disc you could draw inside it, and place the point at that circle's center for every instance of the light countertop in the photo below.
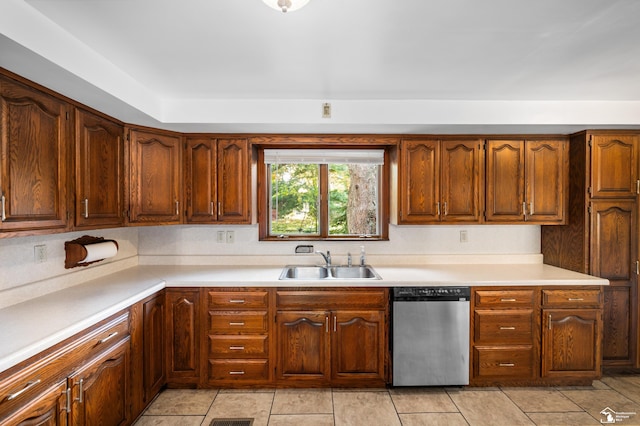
(30, 327)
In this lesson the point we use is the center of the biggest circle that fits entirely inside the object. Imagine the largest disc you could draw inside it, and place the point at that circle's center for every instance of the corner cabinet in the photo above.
(34, 158)
(154, 178)
(217, 180)
(536, 335)
(440, 181)
(330, 337)
(527, 181)
(99, 162)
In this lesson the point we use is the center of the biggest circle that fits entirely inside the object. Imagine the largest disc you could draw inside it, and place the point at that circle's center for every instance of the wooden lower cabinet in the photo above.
(536, 335)
(183, 324)
(338, 339)
(100, 389)
(47, 409)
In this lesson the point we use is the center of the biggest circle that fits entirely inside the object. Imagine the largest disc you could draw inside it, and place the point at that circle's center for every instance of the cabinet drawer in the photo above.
(238, 299)
(238, 346)
(572, 298)
(328, 299)
(230, 322)
(511, 362)
(238, 370)
(504, 299)
(504, 326)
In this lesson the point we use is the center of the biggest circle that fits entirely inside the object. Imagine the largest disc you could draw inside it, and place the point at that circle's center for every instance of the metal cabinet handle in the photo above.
(68, 403)
(211, 209)
(177, 208)
(86, 208)
(549, 322)
(506, 364)
(240, 324)
(507, 328)
(219, 208)
(326, 324)
(236, 373)
(507, 300)
(4, 212)
(236, 348)
(438, 208)
(109, 337)
(28, 386)
(335, 324)
(81, 391)
(637, 267)
(575, 299)
(531, 209)
(236, 301)
(446, 210)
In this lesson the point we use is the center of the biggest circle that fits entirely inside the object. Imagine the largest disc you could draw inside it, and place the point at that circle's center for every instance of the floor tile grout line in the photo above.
(459, 410)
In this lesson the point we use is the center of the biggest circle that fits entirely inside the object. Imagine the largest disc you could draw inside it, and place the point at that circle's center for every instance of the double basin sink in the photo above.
(300, 272)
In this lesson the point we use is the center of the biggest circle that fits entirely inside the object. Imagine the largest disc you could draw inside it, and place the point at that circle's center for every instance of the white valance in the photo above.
(324, 156)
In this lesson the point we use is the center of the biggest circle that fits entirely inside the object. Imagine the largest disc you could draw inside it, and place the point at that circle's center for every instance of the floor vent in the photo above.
(232, 422)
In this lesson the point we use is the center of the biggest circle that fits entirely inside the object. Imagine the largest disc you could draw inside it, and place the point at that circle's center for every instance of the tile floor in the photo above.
(620, 395)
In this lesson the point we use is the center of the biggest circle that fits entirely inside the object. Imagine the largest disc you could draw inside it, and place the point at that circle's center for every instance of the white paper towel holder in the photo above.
(75, 251)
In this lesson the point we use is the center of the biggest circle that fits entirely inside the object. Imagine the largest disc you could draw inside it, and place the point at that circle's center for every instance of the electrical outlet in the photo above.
(40, 254)
(231, 237)
(464, 237)
(221, 238)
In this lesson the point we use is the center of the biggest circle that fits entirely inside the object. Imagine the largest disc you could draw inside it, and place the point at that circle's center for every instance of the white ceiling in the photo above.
(386, 66)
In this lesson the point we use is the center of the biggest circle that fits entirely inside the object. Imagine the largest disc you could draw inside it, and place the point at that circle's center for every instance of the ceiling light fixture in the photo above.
(286, 5)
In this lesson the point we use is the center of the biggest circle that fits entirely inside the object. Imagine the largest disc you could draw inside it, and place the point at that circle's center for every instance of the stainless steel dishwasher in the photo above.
(430, 341)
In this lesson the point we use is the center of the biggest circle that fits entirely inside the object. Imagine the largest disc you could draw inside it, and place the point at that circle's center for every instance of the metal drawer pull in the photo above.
(507, 328)
(109, 337)
(236, 301)
(575, 299)
(28, 386)
(236, 348)
(236, 373)
(507, 364)
(240, 324)
(508, 300)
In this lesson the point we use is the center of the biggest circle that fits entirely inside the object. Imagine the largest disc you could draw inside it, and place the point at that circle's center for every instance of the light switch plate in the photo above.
(221, 237)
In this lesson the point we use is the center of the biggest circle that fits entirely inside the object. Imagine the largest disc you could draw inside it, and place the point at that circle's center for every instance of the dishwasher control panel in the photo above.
(431, 293)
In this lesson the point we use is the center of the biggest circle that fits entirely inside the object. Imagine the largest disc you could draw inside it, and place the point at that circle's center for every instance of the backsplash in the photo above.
(22, 278)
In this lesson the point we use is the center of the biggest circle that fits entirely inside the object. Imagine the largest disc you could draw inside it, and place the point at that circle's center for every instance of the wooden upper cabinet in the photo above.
(99, 172)
(614, 172)
(34, 136)
(440, 181)
(527, 181)
(546, 180)
(154, 177)
(505, 181)
(217, 180)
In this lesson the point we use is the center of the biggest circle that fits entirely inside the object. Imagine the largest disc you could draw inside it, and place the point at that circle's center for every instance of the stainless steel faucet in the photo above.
(327, 257)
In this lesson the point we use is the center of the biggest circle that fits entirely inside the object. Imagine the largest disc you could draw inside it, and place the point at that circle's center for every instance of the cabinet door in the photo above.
(547, 181)
(461, 181)
(34, 135)
(613, 256)
(153, 347)
(200, 180)
(358, 345)
(571, 342)
(100, 389)
(614, 170)
(47, 409)
(505, 181)
(154, 177)
(419, 181)
(183, 335)
(99, 172)
(303, 345)
(233, 181)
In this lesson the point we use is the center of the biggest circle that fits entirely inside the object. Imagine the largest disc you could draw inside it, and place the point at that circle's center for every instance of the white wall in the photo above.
(172, 244)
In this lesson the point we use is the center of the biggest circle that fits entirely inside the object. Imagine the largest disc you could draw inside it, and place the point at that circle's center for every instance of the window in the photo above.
(321, 193)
